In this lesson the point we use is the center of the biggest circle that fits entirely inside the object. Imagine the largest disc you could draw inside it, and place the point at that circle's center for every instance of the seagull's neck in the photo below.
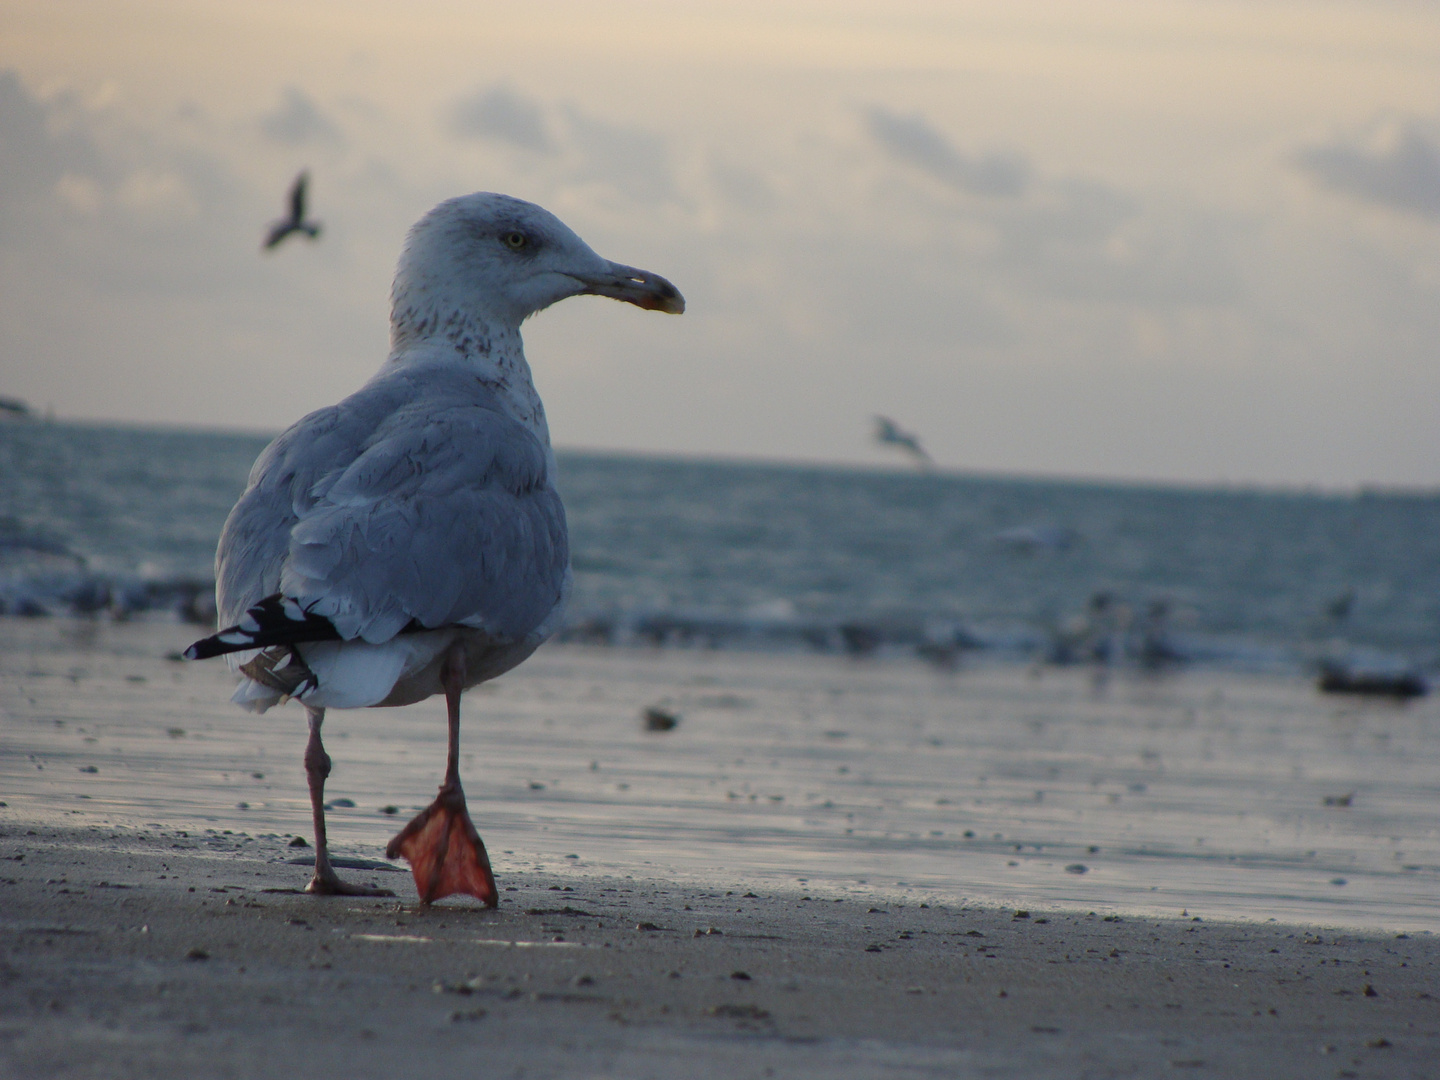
(488, 347)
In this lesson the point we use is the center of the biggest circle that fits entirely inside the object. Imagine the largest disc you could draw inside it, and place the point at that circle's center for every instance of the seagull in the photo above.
(890, 433)
(409, 541)
(296, 222)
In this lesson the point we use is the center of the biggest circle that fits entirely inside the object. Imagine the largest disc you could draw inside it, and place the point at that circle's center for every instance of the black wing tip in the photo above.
(275, 620)
(212, 646)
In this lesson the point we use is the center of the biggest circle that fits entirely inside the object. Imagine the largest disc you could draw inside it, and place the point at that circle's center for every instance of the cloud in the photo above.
(572, 146)
(35, 153)
(912, 140)
(298, 121)
(88, 202)
(1394, 165)
(1046, 238)
(741, 187)
(634, 161)
(500, 114)
(1089, 242)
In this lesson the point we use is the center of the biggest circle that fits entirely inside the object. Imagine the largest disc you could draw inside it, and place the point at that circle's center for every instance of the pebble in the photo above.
(739, 1012)
(658, 719)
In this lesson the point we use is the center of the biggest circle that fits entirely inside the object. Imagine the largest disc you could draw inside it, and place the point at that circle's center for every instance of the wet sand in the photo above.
(150, 925)
(155, 953)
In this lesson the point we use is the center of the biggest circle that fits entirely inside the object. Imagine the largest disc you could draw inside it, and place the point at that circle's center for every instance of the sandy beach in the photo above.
(820, 871)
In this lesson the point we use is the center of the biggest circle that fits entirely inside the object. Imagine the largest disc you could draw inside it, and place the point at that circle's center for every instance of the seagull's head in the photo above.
(505, 259)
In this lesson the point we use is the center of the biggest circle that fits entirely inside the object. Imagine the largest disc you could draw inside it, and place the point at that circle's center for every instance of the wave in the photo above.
(66, 587)
(77, 591)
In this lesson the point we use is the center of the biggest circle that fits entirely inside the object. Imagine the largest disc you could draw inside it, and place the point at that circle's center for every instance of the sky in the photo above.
(1177, 240)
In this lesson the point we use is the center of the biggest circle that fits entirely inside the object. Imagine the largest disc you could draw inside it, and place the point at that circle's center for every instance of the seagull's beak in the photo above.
(639, 287)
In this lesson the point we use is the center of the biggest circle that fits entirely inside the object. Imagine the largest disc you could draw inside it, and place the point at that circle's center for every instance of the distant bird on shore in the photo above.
(889, 433)
(410, 541)
(296, 222)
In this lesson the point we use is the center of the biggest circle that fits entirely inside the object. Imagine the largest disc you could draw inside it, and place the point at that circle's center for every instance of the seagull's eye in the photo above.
(516, 240)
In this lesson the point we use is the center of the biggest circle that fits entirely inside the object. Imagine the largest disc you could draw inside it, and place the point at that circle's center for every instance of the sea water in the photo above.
(118, 521)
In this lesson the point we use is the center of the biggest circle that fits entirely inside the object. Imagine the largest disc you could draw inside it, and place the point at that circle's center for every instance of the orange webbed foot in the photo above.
(445, 852)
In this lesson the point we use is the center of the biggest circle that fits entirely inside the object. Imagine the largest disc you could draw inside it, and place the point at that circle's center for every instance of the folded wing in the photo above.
(416, 503)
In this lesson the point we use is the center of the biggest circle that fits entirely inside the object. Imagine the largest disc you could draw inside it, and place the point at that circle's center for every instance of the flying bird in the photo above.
(889, 433)
(410, 541)
(296, 222)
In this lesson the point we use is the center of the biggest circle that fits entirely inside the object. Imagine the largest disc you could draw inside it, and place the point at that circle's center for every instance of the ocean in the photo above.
(122, 522)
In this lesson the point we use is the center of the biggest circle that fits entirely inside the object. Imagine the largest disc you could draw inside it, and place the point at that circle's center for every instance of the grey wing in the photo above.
(251, 552)
(446, 517)
(254, 543)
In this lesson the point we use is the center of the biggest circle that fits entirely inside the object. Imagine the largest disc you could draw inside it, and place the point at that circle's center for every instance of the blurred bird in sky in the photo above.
(296, 222)
(889, 433)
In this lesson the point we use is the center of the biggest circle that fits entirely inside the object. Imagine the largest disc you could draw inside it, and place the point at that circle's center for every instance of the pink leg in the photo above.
(317, 768)
(445, 852)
